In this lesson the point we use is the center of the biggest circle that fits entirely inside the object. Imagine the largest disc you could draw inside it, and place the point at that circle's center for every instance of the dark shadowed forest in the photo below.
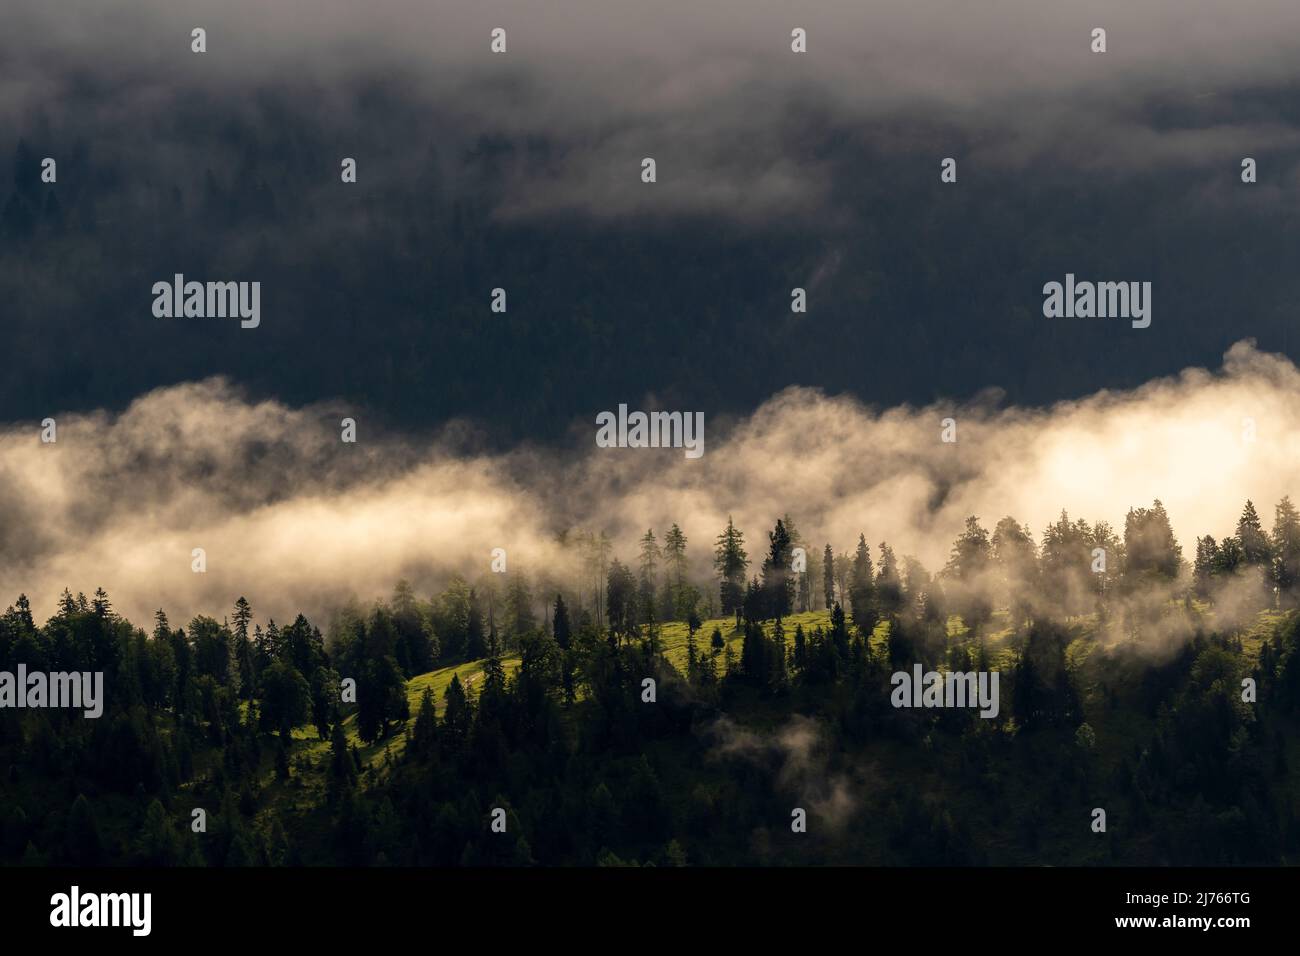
(638, 717)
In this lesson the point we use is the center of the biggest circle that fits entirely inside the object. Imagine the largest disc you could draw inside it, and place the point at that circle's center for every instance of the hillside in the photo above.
(993, 806)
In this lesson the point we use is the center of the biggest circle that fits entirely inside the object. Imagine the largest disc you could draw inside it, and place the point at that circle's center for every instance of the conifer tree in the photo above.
(563, 633)
(778, 585)
(457, 716)
(244, 651)
(889, 583)
(424, 737)
(1149, 544)
(862, 590)
(1229, 558)
(731, 563)
(1205, 567)
(648, 575)
(674, 553)
(778, 674)
(343, 770)
(493, 695)
(839, 635)
(475, 642)
(1286, 552)
(620, 600)
(560, 627)
(1255, 546)
(519, 608)
(243, 615)
(799, 593)
(828, 576)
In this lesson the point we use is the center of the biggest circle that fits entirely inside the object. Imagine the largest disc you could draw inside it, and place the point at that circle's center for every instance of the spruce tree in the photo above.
(475, 642)
(731, 563)
(243, 614)
(1149, 545)
(1255, 546)
(799, 594)
(424, 737)
(520, 619)
(648, 575)
(862, 590)
(778, 585)
(560, 623)
(1286, 552)
(1206, 566)
(343, 770)
(828, 576)
(493, 695)
(839, 636)
(101, 605)
(674, 554)
(457, 715)
(889, 585)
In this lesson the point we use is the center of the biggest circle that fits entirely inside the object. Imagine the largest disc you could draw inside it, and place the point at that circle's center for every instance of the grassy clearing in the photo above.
(672, 636)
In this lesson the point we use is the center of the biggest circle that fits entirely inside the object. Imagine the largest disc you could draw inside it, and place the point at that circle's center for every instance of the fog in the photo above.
(295, 519)
(713, 90)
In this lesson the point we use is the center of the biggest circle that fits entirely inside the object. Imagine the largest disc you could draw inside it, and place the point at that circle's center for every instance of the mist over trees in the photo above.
(310, 746)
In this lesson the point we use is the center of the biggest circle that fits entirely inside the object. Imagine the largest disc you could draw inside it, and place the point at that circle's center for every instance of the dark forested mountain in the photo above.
(379, 293)
(468, 729)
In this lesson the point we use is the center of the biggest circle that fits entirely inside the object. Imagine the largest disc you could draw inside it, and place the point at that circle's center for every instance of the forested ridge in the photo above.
(1124, 687)
(423, 249)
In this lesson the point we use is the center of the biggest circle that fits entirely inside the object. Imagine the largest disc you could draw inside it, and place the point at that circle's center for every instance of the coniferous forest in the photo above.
(1123, 688)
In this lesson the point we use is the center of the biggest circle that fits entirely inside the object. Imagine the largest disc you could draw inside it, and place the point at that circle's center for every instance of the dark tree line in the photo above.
(599, 751)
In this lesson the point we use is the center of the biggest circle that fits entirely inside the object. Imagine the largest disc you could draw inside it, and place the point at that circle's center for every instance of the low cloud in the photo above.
(714, 91)
(296, 519)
